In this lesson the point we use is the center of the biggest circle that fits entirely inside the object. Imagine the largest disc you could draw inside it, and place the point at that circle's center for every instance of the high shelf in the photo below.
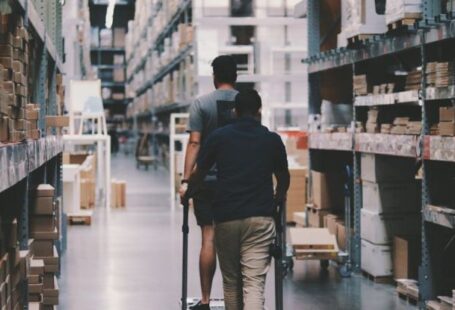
(26, 163)
(347, 74)
(171, 45)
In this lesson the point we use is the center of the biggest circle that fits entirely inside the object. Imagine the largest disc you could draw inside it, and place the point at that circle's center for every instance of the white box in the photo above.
(376, 260)
(381, 228)
(391, 197)
(382, 168)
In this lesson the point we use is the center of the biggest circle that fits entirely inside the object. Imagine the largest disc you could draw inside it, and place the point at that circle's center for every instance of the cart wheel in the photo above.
(324, 264)
(344, 271)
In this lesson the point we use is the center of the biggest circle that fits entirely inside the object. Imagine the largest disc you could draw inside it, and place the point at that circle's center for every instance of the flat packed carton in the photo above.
(316, 217)
(327, 190)
(44, 206)
(406, 253)
(42, 223)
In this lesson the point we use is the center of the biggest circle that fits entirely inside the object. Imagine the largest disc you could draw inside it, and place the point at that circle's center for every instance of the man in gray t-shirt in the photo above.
(208, 113)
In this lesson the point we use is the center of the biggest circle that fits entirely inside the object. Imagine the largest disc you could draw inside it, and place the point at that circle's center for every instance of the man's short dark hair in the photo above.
(248, 102)
(225, 69)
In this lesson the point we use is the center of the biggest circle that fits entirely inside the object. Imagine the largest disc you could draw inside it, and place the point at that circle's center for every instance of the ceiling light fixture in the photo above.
(110, 14)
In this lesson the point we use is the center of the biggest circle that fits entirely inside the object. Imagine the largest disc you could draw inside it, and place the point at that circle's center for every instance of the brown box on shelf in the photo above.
(16, 113)
(6, 50)
(406, 252)
(19, 78)
(327, 190)
(447, 114)
(33, 134)
(32, 114)
(398, 130)
(50, 286)
(36, 267)
(57, 121)
(119, 75)
(6, 62)
(45, 235)
(119, 37)
(45, 190)
(16, 136)
(372, 128)
(4, 129)
(18, 66)
(447, 129)
(9, 87)
(43, 206)
(42, 223)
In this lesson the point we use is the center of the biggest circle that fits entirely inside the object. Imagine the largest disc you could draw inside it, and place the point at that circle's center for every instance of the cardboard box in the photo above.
(381, 168)
(341, 235)
(316, 217)
(328, 190)
(11, 231)
(119, 75)
(332, 220)
(406, 257)
(376, 260)
(42, 223)
(50, 286)
(446, 114)
(32, 114)
(57, 121)
(4, 129)
(119, 37)
(381, 228)
(43, 206)
(36, 267)
(296, 197)
(45, 235)
(447, 129)
(391, 197)
(6, 50)
(45, 190)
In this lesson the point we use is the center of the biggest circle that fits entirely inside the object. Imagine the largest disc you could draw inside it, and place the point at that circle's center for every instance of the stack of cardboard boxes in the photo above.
(446, 124)
(88, 182)
(372, 125)
(118, 194)
(14, 267)
(327, 195)
(391, 207)
(14, 126)
(44, 225)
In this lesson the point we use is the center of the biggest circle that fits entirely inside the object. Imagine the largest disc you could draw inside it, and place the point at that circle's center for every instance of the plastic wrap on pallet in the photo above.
(434, 93)
(397, 145)
(401, 9)
(440, 215)
(439, 148)
(331, 141)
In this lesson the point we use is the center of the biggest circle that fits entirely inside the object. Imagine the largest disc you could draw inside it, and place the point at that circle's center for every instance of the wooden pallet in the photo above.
(82, 219)
(380, 279)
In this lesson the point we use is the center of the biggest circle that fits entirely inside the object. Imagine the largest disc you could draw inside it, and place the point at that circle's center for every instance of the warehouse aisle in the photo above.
(130, 259)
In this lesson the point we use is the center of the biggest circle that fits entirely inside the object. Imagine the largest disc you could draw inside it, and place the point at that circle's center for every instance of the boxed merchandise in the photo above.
(316, 216)
(447, 114)
(57, 121)
(341, 235)
(119, 37)
(382, 168)
(327, 190)
(296, 198)
(376, 260)
(447, 129)
(42, 223)
(391, 197)
(406, 253)
(118, 194)
(43, 206)
(380, 228)
(119, 75)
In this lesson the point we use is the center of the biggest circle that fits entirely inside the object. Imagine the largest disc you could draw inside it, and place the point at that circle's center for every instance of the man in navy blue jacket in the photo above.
(247, 156)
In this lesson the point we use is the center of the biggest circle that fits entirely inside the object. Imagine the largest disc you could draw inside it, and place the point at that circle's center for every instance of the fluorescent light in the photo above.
(110, 14)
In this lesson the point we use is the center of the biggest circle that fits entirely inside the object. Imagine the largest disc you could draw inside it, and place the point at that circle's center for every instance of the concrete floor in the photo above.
(130, 259)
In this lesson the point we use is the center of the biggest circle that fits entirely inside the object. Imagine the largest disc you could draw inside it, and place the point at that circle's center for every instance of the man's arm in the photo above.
(281, 171)
(205, 162)
(192, 152)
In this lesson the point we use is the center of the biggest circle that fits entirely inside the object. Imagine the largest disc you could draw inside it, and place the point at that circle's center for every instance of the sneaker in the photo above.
(200, 306)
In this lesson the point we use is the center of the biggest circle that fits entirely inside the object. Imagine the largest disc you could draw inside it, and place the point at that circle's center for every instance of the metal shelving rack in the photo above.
(433, 29)
(25, 165)
(160, 113)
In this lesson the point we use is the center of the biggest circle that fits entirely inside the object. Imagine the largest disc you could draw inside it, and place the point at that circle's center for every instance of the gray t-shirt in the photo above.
(210, 112)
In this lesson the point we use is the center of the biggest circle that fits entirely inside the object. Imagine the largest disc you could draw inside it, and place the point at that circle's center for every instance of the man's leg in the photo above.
(228, 249)
(257, 236)
(207, 261)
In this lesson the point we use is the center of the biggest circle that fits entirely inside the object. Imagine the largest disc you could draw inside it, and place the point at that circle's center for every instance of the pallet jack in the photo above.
(278, 252)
